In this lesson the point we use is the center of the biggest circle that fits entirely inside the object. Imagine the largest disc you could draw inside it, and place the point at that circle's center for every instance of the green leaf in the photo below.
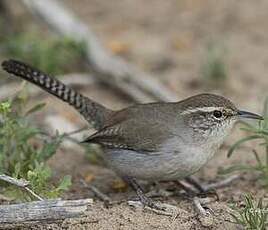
(5, 107)
(239, 167)
(65, 183)
(252, 215)
(231, 150)
(265, 108)
(49, 148)
(257, 157)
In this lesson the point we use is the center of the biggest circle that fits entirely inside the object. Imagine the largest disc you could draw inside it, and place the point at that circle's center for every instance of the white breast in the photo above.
(170, 163)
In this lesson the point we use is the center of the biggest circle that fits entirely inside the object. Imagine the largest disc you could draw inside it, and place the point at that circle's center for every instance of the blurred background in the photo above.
(190, 46)
(167, 50)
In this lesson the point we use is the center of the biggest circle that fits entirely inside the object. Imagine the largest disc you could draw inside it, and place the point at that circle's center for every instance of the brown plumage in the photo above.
(158, 116)
(207, 100)
(128, 128)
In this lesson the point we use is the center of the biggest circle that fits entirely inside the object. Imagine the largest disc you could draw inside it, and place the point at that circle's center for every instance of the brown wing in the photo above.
(135, 129)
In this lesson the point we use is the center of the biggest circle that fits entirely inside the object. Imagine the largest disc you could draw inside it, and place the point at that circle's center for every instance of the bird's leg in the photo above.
(199, 202)
(146, 201)
(197, 189)
(188, 189)
(196, 183)
(158, 191)
(192, 193)
(203, 188)
(222, 183)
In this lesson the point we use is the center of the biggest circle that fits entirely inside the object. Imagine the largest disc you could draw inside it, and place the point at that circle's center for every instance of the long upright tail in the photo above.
(93, 112)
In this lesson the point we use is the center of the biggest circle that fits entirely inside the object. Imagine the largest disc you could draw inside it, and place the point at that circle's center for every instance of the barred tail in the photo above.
(93, 112)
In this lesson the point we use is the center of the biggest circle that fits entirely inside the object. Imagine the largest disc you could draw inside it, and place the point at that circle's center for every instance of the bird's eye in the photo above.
(217, 114)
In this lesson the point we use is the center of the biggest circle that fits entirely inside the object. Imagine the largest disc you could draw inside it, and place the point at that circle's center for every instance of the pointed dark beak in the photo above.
(245, 114)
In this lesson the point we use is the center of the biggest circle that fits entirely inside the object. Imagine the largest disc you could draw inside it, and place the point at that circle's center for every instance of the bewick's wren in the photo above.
(155, 141)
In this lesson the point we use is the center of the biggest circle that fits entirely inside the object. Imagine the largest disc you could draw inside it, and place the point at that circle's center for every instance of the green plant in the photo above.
(51, 54)
(213, 70)
(255, 131)
(252, 215)
(24, 151)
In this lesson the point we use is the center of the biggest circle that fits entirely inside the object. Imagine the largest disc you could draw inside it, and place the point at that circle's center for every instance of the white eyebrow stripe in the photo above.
(201, 109)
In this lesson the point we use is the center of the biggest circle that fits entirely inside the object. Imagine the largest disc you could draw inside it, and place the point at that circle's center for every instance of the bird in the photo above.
(159, 141)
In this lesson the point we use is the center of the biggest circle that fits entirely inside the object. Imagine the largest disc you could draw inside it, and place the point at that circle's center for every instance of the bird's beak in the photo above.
(245, 114)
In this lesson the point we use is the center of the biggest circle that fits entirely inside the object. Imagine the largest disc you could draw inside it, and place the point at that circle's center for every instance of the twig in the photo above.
(11, 180)
(67, 134)
(111, 69)
(20, 183)
(33, 193)
(46, 210)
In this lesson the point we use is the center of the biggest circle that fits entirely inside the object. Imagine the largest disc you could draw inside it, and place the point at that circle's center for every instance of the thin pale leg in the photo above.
(148, 203)
(199, 203)
(206, 187)
(190, 190)
(196, 183)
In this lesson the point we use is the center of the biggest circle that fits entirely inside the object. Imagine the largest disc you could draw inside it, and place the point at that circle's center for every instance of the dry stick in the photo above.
(75, 131)
(42, 210)
(45, 210)
(20, 183)
(111, 69)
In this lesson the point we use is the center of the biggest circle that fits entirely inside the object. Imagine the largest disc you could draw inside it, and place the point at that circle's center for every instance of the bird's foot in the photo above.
(147, 203)
(158, 208)
(203, 194)
(200, 205)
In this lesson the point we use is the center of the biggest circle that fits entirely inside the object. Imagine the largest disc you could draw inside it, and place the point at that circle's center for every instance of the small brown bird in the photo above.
(155, 141)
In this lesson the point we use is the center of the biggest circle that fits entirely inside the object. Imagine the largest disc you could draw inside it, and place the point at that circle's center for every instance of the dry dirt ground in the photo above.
(169, 39)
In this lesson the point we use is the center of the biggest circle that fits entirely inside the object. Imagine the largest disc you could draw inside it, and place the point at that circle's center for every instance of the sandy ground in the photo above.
(170, 39)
